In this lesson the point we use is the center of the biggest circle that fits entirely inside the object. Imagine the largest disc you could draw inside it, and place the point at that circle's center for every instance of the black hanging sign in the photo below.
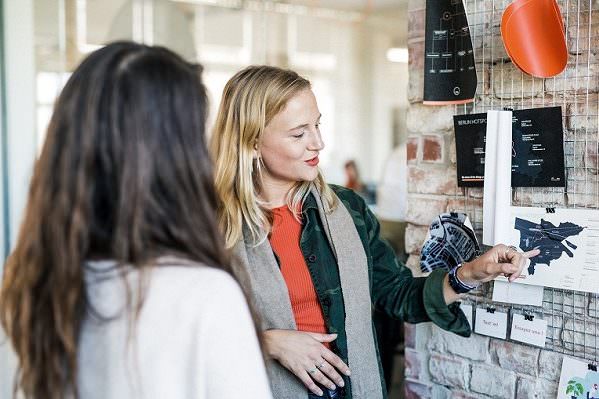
(537, 148)
(449, 69)
(470, 148)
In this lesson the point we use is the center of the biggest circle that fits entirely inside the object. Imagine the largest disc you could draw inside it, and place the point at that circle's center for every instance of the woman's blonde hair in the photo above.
(250, 100)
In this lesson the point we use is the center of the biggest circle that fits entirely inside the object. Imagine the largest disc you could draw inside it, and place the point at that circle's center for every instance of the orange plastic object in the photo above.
(533, 36)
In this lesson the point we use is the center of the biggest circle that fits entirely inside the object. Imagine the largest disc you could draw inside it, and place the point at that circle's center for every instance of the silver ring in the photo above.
(318, 366)
(511, 248)
(312, 371)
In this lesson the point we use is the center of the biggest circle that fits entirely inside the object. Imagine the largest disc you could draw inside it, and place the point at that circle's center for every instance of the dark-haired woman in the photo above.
(119, 286)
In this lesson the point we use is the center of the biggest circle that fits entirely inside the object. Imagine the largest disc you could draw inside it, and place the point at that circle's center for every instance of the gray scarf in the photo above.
(261, 277)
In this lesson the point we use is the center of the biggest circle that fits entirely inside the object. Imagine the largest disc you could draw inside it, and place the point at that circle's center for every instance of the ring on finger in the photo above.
(319, 366)
(509, 249)
(312, 371)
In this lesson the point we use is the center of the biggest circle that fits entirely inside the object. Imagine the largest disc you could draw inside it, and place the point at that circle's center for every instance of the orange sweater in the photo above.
(285, 241)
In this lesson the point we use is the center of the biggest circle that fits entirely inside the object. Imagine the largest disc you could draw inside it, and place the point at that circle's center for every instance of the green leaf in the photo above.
(570, 389)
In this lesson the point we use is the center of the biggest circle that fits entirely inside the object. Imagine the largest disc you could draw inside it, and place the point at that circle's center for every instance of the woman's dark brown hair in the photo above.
(124, 174)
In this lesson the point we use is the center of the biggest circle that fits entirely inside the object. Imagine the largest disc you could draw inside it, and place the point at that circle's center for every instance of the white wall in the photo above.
(20, 90)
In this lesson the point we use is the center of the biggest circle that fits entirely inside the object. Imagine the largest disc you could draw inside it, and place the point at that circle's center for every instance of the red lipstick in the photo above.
(313, 162)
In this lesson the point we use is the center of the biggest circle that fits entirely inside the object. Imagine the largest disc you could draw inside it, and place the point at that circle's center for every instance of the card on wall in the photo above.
(520, 294)
(529, 330)
(490, 322)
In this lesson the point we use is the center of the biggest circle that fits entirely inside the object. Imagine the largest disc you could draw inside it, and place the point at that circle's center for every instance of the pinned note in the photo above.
(490, 322)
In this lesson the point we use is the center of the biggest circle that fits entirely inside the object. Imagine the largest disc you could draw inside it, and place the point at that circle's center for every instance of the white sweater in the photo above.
(194, 338)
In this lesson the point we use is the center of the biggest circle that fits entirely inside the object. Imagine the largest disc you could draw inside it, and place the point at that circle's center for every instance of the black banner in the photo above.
(449, 70)
(537, 148)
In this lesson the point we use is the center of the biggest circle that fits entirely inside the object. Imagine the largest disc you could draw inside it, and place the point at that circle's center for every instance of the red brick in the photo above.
(433, 148)
(412, 148)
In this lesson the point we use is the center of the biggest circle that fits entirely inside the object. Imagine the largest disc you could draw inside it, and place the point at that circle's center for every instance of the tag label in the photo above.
(531, 332)
(491, 324)
(520, 294)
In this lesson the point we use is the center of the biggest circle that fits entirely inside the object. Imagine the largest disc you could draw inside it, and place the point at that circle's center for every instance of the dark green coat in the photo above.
(393, 289)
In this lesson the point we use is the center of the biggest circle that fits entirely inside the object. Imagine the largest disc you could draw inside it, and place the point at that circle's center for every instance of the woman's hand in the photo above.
(304, 355)
(499, 260)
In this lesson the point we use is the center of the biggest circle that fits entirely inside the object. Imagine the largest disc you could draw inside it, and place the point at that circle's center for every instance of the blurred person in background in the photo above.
(352, 176)
(119, 285)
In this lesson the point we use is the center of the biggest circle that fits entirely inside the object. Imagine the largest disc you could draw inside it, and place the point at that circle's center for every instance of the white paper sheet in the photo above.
(491, 324)
(520, 294)
(498, 176)
(577, 381)
(569, 244)
(532, 332)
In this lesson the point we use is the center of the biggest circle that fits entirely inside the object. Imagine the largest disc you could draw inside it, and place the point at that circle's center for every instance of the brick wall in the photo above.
(440, 364)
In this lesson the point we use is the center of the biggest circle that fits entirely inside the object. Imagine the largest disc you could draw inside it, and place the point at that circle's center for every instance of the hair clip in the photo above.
(550, 210)
(490, 310)
(592, 367)
(528, 317)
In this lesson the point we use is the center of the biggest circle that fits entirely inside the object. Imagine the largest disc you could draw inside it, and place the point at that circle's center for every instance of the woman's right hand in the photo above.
(304, 355)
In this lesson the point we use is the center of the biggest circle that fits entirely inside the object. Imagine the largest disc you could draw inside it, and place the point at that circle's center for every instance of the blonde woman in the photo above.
(312, 252)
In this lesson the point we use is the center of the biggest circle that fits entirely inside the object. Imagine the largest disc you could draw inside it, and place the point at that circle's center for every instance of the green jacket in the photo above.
(393, 289)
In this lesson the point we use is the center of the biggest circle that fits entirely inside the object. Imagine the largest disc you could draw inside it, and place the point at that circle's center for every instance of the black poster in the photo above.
(537, 148)
(449, 70)
(470, 148)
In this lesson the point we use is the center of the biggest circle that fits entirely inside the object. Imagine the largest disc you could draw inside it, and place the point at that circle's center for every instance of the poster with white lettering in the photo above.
(537, 153)
(449, 68)
(470, 144)
(538, 148)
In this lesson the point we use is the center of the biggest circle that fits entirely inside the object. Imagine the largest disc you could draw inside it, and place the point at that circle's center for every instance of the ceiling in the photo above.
(353, 5)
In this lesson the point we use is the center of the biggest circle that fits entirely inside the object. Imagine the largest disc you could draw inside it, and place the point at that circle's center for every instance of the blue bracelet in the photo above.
(458, 285)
